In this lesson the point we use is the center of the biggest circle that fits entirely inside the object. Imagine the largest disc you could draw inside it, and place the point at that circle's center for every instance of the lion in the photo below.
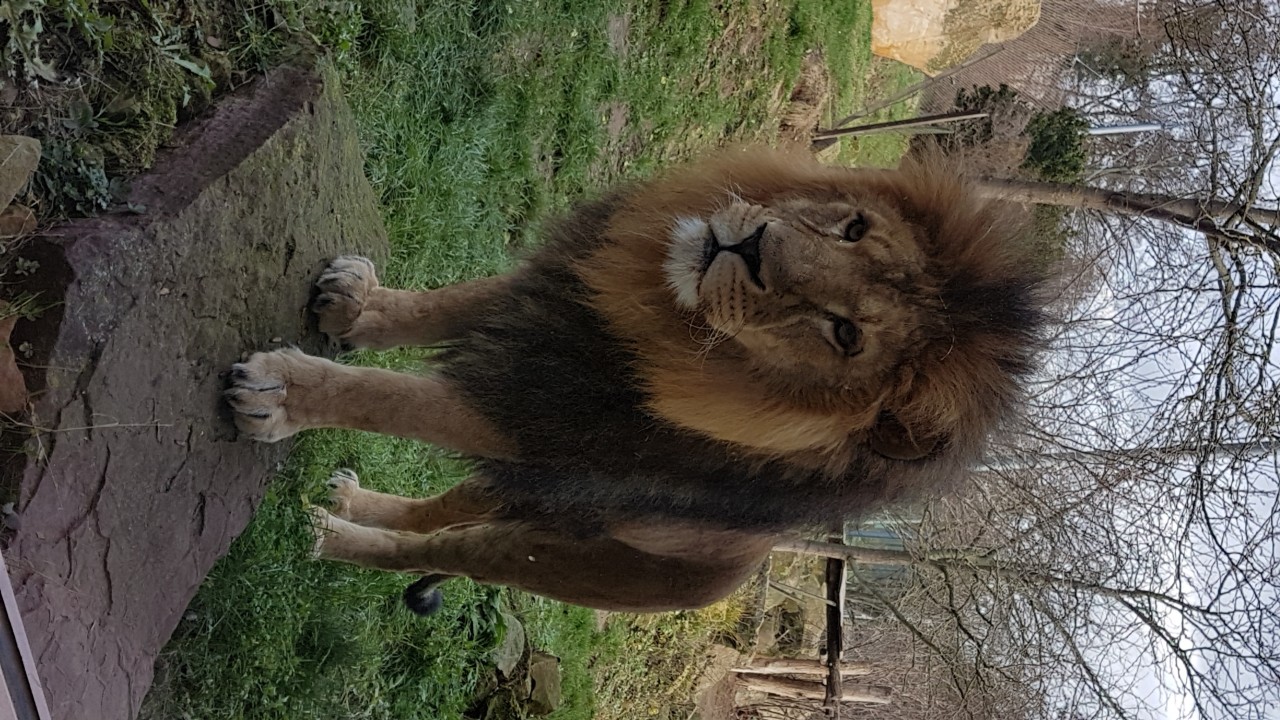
(685, 370)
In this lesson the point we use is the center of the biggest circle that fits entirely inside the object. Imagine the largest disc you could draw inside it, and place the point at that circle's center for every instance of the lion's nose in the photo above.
(749, 250)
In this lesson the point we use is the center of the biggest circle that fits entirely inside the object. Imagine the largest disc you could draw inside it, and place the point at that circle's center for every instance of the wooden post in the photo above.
(908, 92)
(922, 121)
(835, 633)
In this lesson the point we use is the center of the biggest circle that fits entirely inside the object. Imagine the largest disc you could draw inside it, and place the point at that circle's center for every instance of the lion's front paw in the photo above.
(344, 289)
(343, 484)
(258, 392)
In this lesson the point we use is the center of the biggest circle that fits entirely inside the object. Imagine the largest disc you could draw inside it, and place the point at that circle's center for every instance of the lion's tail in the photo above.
(423, 597)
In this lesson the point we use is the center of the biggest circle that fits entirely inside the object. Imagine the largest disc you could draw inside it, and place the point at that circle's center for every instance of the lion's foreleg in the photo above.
(464, 504)
(277, 394)
(353, 308)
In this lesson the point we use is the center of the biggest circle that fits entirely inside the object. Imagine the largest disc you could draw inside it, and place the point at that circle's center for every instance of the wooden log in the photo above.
(814, 690)
(795, 666)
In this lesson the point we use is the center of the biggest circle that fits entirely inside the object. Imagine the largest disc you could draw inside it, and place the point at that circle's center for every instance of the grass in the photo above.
(884, 79)
(479, 118)
(658, 662)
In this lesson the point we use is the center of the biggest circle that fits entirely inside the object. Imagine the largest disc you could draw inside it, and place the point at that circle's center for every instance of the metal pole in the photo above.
(1125, 129)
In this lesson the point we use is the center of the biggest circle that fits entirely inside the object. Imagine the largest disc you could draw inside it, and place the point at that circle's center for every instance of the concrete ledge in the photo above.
(130, 484)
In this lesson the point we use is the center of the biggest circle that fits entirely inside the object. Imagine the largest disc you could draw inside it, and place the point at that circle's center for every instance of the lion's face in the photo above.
(806, 312)
(829, 290)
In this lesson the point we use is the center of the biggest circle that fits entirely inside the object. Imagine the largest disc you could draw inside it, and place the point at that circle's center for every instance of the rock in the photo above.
(16, 221)
(13, 389)
(544, 695)
(19, 157)
(139, 484)
(507, 655)
(932, 35)
(502, 706)
(717, 687)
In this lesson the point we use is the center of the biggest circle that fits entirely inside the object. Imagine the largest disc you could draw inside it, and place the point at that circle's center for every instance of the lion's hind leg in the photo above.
(336, 538)
(465, 503)
(593, 571)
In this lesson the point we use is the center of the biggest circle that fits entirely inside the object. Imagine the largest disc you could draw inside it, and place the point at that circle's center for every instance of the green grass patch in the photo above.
(277, 635)
(882, 80)
(478, 118)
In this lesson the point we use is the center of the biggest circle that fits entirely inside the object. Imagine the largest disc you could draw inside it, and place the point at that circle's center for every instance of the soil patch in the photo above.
(617, 30)
(616, 120)
(130, 483)
(808, 101)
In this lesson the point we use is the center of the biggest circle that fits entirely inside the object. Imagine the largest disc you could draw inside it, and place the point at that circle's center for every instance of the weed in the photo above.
(80, 19)
(72, 179)
(882, 79)
(23, 23)
(25, 305)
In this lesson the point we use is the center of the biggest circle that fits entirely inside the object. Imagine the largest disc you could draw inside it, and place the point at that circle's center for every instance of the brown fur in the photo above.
(730, 361)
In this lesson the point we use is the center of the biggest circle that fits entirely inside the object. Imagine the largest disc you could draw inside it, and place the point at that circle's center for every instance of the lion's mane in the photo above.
(598, 378)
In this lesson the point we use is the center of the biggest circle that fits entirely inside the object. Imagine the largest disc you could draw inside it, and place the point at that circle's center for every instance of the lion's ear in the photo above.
(891, 439)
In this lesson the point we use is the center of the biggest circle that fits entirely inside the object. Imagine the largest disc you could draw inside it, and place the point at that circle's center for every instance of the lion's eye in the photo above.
(856, 229)
(846, 336)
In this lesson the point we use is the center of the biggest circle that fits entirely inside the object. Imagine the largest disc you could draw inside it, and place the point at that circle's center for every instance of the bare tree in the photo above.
(1080, 585)
(1207, 73)
(1119, 555)
(1250, 226)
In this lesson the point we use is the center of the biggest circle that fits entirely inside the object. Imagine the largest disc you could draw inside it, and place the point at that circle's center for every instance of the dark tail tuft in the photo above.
(423, 597)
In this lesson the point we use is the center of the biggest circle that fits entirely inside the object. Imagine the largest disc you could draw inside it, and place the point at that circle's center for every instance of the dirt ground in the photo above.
(129, 481)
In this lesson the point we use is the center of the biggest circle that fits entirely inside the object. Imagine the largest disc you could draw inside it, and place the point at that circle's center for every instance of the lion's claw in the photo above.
(342, 483)
(321, 528)
(344, 289)
(257, 392)
(343, 477)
